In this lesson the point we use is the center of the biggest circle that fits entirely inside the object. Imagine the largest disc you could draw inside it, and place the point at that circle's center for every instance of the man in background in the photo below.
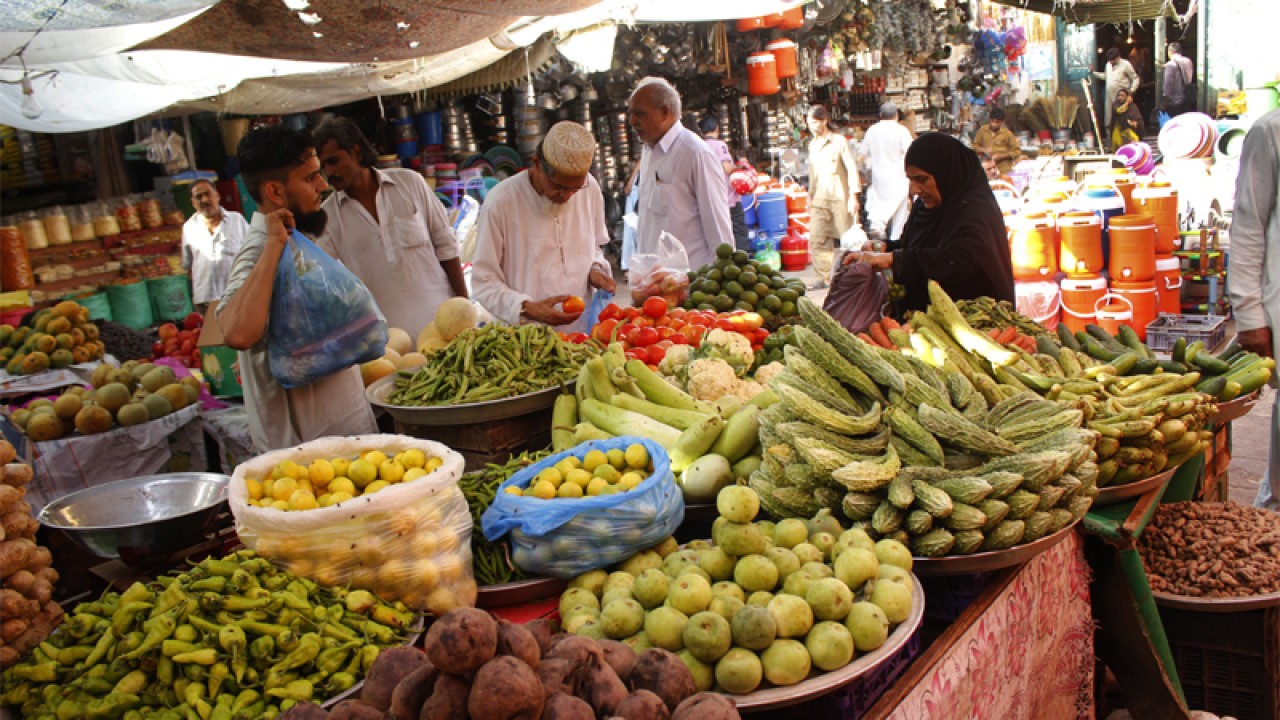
(541, 233)
(210, 240)
(1179, 74)
(1254, 267)
(710, 128)
(1119, 75)
(885, 148)
(683, 186)
(282, 173)
(998, 141)
(389, 228)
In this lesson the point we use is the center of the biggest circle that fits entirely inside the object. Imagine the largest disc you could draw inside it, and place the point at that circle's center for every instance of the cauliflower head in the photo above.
(711, 379)
(731, 347)
(765, 373)
(676, 362)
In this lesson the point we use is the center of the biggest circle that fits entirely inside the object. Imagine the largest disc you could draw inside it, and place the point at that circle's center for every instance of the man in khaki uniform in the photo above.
(833, 191)
(998, 141)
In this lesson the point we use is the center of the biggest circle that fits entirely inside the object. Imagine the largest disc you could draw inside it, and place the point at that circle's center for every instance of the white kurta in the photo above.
(885, 146)
(682, 191)
(398, 255)
(524, 252)
(207, 255)
(1120, 76)
(1254, 263)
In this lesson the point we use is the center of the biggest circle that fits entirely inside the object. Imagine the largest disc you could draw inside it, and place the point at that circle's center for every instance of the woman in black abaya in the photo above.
(955, 234)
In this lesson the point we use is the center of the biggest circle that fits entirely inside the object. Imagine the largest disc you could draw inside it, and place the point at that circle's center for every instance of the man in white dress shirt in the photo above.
(885, 146)
(682, 183)
(540, 234)
(389, 228)
(210, 240)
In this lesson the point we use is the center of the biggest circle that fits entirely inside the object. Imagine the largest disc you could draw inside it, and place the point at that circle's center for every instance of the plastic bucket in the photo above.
(797, 201)
(784, 55)
(1040, 301)
(1168, 285)
(1142, 297)
(1111, 315)
(431, 128)
(749, 202)
(1080, 243)
(1106, 203)
(1033, 247)
(762, 74)
(798, 223)
(1133, 248)
(749, 24)
(1079, 300)
(771, 211)
(407, 148)
(1160, 201)
(792, 19)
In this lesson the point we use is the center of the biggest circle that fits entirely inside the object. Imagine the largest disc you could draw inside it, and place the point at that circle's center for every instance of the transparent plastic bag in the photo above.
(409, 541)
(323, 319)
(565, 538)
(663, 273)
(600, 299)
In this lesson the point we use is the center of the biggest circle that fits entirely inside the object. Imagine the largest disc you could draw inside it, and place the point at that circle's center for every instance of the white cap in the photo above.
(569, 148)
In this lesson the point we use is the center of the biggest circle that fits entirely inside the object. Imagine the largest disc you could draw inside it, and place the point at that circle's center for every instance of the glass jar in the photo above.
(127, 213)
(32, 230)
(57, 228)
(81, 223)
(105, 221)
(149, 211)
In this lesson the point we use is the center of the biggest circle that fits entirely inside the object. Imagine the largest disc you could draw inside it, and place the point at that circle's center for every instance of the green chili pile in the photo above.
(493, 362)
(229, 638)
(491, 561)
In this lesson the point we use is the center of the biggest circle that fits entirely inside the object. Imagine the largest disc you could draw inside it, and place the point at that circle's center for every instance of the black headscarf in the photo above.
(961, 243)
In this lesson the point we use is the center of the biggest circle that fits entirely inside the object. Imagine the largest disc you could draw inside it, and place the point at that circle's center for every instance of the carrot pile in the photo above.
(881, 334)
(1010, 336)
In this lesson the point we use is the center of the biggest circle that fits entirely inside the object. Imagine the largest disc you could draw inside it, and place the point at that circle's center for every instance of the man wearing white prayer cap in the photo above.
(540, 235)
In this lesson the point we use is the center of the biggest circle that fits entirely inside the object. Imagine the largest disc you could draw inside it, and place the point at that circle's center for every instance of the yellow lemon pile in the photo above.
(596, 473)
(294, 486)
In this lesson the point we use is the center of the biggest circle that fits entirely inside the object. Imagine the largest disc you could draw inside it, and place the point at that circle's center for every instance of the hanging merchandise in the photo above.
(762, 74)
(784, 54)
(854, 31)
(903, 26)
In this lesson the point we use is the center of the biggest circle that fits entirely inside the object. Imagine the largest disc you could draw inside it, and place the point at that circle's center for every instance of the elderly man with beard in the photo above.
(540, 234)
(282, 173)
(210, 240)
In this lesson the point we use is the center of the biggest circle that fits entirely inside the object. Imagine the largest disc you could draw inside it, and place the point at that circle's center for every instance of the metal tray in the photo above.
(1116, 493)
(819, 685)
(1217, 605)
(986, 561)
(414, 634)
(1235, 409)
(437, 415)
(520, 591)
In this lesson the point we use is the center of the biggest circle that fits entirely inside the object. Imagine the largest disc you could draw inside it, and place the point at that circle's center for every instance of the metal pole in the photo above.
(1161, 57)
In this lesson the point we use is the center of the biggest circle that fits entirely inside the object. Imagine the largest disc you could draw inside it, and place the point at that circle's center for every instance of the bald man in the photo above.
(540, 234)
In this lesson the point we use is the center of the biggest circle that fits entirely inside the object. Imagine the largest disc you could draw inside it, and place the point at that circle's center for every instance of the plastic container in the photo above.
(1133, 248)
(1106, 203)
(773, 20)
(1039, 300)
(1160, 201)
(105, 222)
(81, 223)
(15, 264)
(771, 211)
(32, 229)
(795, 252)
(762, 74)
(784, 54)
(1080, 243)
(1165, 330)
(1079, 299)
(1141, 296)
(127, 213)
(1033, 245)
(1168, 285)
(407, 148)
(797, 200)
(149, 211)
(749, 24)
(431, 128)
(1112, 311)
(749, 202)
(798, 223)
(792, 19)
(57, 228)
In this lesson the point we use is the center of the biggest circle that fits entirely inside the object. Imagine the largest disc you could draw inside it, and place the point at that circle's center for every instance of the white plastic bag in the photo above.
(855, 238)
(663, 273)
(409, 541)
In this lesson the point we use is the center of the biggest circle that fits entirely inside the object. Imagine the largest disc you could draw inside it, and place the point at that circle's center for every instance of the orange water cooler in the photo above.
(1033, 247)
(1133, 248)
(1080, 244)
(1142, 299)
(1168, 285)
(1160, 201)
(1080, 297)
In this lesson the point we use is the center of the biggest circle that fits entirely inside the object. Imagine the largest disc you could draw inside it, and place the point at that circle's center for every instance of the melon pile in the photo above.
(454, 316)
(59, 336)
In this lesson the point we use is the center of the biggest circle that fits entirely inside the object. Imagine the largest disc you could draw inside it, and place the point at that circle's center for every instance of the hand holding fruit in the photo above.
(546, 312)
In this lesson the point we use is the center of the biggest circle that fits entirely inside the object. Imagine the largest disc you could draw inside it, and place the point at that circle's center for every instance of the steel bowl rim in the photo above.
(43, 516)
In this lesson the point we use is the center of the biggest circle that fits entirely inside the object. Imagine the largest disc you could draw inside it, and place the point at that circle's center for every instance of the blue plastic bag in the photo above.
(565, 538)
(323, 319)
(599, 301)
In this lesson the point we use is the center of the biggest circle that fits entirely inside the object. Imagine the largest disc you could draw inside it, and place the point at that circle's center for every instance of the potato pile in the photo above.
(130, 395)
(484, 669)
(27, 610)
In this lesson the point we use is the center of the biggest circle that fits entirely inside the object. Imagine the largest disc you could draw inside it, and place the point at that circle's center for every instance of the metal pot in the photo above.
(568, 92)
(590, 94)
(548, 101)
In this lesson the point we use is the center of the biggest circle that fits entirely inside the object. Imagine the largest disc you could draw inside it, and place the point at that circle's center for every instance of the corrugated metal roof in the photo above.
(1084, 12)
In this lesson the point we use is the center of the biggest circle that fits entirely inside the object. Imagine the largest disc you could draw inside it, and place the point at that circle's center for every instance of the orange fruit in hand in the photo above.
(573, 304)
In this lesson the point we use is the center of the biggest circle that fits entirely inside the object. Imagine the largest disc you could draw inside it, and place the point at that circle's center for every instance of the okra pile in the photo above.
(491, 561)
(230, 637)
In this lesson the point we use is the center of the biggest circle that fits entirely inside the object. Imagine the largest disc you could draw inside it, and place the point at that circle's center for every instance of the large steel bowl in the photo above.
(142, 517)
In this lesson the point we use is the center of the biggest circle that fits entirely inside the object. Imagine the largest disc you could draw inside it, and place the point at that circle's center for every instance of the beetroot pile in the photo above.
(484, 669)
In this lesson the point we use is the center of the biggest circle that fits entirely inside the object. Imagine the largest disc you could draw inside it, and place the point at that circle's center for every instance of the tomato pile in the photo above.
(648, 331)
(180, 341)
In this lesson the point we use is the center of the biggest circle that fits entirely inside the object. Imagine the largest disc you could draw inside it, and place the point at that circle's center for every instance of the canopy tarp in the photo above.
(1085, 12)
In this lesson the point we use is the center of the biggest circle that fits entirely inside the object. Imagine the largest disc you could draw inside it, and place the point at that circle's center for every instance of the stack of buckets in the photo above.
(1133, 232)
(778, 219)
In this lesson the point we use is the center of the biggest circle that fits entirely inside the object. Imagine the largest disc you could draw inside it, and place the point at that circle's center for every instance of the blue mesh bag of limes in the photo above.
(588, 507)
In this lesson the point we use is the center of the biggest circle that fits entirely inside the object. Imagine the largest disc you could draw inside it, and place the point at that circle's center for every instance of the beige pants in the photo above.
(826, 225)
